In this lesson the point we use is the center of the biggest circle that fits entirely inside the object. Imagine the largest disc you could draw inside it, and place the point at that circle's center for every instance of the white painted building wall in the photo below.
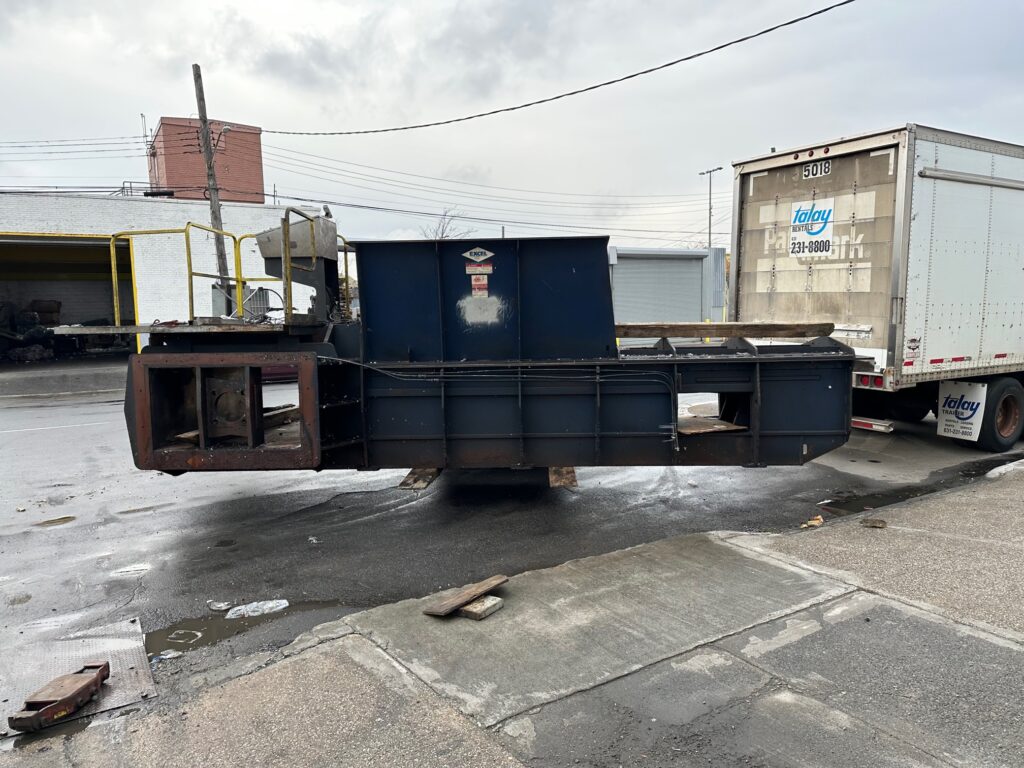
(158, 260)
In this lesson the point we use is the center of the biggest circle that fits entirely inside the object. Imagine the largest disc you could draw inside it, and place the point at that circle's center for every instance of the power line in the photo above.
(497, 216)
(564, 220)
(183, 146)
(500, 213)
(470, 183)
(578, 91)
(536, 225)
(646, 208)
(5, 153)
(371, 182)
(68, 159)
(506, 211)
(481, 219)
(482, 206)
(337, 166)
(62, 141)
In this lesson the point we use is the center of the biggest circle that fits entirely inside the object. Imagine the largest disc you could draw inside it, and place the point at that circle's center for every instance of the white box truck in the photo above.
(911, 241)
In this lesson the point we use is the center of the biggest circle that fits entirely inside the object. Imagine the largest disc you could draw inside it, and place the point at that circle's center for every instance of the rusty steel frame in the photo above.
(140, 403)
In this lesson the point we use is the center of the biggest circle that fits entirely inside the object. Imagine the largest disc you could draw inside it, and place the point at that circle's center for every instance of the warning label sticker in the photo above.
(479, 269)
(479, 283)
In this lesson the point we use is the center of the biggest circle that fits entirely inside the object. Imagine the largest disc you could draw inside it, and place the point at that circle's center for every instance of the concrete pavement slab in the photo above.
(63, 377)
(585, 622)
(342, 704)
(780, 728)
(910, 454)
(961, 551)
(707, 707)
(947, 689)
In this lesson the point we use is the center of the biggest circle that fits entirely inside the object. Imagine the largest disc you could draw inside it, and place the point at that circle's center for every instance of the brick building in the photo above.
(176, 160)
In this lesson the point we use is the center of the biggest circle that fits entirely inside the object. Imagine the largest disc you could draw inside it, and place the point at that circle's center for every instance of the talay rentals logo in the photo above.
(813, 220)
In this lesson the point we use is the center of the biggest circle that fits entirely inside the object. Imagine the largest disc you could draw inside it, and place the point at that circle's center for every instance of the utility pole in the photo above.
(708, 173)
(211, 180)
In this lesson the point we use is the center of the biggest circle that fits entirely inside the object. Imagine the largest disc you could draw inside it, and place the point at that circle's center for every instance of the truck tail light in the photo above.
(878, 381)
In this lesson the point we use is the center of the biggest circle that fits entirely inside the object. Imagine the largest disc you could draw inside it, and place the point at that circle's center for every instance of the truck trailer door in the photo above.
(815, 242)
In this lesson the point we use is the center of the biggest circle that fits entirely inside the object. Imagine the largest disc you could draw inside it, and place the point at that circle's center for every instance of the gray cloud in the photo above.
(480, 46)
(82, 69)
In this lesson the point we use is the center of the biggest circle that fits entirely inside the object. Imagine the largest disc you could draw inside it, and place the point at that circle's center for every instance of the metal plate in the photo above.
(28, 668)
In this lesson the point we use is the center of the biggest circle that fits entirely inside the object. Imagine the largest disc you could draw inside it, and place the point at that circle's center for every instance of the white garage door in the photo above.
(648, 290)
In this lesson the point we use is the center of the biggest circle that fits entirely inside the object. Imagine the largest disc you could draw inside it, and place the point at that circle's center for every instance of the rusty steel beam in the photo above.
(216, 394)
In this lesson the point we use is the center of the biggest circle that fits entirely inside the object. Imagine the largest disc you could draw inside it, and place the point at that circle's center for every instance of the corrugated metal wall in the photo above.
(666, 285)
(656, 290)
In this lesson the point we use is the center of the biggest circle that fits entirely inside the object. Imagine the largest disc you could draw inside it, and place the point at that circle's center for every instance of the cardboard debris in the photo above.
(815, 522)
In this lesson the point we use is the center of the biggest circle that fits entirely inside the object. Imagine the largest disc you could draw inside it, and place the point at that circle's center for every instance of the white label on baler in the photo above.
(478, 254)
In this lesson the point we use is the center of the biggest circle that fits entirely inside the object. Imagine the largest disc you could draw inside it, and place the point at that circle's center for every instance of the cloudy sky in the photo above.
(623, 160)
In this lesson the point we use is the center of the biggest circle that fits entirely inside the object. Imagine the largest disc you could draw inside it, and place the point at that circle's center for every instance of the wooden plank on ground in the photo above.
(562, 477)
(466, 595)
(722, 330)
(419, 478)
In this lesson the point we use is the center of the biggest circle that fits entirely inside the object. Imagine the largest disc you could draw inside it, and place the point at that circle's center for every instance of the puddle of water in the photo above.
(189, 634)
(21, 740)
(849, 504)
(55, 521)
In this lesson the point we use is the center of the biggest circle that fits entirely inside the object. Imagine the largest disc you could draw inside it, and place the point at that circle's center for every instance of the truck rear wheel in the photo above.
(1003, 422)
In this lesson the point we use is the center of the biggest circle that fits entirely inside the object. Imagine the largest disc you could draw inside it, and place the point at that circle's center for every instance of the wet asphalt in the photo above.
(86, 539)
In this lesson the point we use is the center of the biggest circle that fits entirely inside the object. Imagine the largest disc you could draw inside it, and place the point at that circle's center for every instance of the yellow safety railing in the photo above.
(286, 265)
(238, 277)
(113, 261)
